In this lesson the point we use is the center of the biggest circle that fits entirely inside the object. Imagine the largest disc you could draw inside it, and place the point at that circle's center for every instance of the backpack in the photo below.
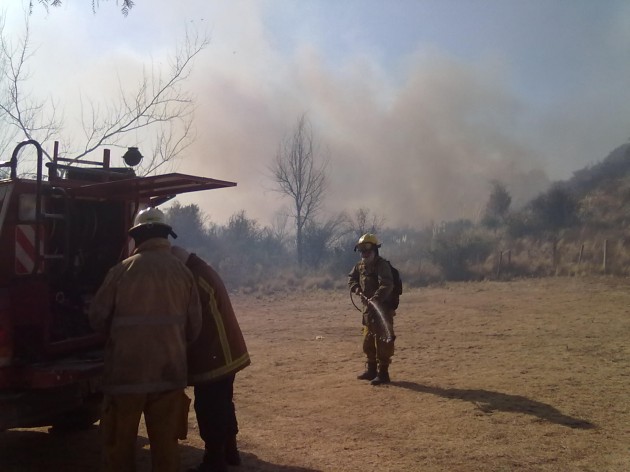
(393, 299)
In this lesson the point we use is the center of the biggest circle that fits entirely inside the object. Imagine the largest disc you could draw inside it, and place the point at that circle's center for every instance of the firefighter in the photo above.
(213, 361)
(149, 308)
(372, 279)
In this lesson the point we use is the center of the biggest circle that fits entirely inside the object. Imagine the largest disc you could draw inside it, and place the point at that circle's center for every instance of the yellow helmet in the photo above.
(367, 238)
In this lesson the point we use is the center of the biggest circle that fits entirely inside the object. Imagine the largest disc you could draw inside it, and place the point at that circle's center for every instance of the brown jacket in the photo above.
(375, 280)
(220, 349)
(149, 307)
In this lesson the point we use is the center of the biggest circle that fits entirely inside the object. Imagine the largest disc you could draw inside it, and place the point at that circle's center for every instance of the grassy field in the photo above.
(530, 375)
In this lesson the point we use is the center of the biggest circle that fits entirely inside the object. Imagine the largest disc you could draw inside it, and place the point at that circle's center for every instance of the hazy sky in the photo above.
(417, 104)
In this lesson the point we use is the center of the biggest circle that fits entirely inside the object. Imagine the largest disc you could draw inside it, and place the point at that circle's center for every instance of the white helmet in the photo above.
(149, 217)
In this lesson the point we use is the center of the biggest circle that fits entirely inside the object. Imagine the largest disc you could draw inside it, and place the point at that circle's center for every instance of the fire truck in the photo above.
(59, 235)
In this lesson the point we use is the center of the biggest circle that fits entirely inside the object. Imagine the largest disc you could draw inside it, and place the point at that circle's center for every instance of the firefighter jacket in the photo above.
(374, 279)
(220, 349)
(148, 307)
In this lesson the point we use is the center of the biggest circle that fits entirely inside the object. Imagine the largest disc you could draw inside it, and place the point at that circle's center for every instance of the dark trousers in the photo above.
(214, 407)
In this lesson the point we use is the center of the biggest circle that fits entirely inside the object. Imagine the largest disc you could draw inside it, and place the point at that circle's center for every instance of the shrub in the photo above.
(456, 247)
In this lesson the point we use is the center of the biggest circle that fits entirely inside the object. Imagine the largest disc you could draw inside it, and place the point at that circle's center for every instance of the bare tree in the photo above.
(156, 104)
(156, 108)
(21, 117)
(300, 177)
(364, 222)
(126, 5)
(278, 228)
(322, 238)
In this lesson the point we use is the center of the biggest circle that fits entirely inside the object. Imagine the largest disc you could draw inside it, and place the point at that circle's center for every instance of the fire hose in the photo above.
(382, 320)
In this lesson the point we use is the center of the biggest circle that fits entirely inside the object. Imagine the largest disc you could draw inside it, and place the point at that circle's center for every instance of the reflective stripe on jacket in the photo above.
(220, 349)
(149, 307)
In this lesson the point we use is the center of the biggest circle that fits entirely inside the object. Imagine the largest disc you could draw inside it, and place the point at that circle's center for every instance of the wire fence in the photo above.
(606, 256)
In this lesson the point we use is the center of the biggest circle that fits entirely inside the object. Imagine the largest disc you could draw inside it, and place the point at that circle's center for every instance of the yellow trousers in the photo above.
(165, 416)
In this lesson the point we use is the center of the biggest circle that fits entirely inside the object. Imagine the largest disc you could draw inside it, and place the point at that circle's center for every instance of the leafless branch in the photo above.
(20, 114)
(299, 177)
(156, 110)
(126, 5)
(155, 102)
(366, 223)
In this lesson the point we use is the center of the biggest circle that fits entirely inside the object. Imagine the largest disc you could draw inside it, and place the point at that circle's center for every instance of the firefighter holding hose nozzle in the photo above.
(371, 278)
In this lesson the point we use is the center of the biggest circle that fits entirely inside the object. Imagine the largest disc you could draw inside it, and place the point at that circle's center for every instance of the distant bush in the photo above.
(497, 206)
(456, 247)
(563, 231)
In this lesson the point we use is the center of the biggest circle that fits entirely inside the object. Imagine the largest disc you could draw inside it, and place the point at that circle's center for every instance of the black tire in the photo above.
(77, 420)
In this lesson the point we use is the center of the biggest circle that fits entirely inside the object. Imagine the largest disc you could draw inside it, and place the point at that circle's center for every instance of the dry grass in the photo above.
(531, 375)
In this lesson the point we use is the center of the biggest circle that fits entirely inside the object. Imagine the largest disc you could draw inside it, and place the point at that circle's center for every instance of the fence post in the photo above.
(581, 253)
(605, 261)
(499, 265)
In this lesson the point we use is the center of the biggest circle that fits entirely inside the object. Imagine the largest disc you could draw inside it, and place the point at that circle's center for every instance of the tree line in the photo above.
(247, 253)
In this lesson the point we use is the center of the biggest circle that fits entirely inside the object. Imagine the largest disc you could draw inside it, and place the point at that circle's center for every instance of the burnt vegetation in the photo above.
(577, 227)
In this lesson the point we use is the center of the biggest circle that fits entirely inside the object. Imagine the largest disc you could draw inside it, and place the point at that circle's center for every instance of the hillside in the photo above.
(577, 227)
(593, 238)
(603, 191)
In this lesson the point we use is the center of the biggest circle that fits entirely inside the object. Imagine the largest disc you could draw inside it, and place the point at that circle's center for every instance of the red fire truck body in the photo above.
(58, 238)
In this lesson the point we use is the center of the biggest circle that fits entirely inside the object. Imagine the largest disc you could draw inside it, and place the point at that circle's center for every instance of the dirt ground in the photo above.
(530, 375)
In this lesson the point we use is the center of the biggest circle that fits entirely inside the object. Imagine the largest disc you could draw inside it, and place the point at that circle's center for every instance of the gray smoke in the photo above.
(424, 149)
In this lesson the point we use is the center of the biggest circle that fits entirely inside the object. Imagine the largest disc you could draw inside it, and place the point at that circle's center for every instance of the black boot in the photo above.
(213, 459)
(370, 372)
(232, 456)
(203, 467)
(382, 377)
